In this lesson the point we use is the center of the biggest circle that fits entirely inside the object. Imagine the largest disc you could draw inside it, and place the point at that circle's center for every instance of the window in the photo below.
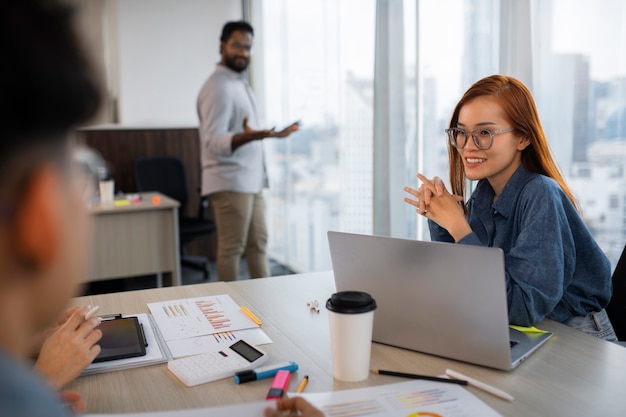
(579, 72)
(458, 44)
(318, 63)
(340, 65)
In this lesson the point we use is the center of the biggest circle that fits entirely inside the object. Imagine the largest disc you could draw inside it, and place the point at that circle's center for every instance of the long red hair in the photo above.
(517, 102)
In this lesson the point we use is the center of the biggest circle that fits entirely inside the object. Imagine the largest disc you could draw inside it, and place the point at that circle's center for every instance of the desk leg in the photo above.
(176, 273)
(159, 280)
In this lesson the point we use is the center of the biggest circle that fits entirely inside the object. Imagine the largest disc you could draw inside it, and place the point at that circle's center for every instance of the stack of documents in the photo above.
(188, 326)
(192, 326)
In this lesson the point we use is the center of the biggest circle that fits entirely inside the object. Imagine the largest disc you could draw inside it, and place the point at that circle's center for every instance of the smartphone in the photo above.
(121, 338)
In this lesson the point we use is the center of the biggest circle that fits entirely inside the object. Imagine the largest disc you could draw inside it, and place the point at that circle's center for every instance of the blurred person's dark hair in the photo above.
(230, 27)
(46, 84)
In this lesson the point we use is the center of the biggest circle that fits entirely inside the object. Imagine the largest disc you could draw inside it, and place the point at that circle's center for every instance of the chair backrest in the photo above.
(617, 306)
(165, 174)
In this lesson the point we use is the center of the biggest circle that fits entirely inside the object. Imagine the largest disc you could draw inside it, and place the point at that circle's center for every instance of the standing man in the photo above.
(233, 166)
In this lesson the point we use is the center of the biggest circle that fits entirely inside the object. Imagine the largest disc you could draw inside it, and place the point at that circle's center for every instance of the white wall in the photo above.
(167, 49)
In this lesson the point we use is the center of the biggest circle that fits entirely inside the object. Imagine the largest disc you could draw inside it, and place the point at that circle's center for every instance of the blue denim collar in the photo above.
(505, 204)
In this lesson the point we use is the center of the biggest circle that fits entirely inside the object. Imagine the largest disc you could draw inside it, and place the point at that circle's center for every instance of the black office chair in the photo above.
(166, 174)
(617, 306)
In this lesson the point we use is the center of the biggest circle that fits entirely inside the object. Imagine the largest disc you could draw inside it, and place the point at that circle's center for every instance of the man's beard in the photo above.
(234, 63)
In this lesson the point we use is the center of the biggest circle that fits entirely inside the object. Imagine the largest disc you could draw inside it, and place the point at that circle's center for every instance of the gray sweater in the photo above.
(223, 102)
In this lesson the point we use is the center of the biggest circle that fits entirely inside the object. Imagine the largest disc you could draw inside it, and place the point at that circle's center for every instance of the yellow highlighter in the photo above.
(118, 203)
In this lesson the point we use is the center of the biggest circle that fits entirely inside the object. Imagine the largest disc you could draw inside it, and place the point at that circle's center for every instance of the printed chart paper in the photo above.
(194, 317)
(191, 326)
(403, 399)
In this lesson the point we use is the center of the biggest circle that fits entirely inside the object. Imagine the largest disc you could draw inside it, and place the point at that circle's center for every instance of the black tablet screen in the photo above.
(121, 338)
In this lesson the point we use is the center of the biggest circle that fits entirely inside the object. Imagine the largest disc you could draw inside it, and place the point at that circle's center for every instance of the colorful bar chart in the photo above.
(175, 310)
(216, 317)
(199, 316)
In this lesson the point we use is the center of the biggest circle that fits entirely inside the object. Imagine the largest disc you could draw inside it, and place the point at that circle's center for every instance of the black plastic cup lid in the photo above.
(351, 302)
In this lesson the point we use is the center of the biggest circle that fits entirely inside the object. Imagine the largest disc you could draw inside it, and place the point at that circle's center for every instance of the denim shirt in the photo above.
(25, 394)
(554, 267)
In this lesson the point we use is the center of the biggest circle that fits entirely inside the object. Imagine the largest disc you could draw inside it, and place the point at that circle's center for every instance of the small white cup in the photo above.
(106, 192)
(351, 318)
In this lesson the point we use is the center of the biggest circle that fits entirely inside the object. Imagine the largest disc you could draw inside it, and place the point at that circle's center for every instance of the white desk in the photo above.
(572, 375)
(135, 239)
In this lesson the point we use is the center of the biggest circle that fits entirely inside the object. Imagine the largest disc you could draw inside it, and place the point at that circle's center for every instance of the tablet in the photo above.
(121, 338)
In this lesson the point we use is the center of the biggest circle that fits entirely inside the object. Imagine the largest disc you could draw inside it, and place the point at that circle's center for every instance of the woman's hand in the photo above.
(433, 201)
(423, 195)
(69, 348)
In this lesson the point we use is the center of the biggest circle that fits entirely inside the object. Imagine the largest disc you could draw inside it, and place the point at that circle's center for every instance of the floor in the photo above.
(189, 276)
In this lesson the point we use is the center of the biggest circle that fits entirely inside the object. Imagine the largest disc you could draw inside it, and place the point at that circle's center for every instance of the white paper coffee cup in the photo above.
(351, 318)
(106, 192)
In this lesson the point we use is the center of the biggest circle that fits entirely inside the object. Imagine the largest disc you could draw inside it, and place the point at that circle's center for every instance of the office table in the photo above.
(136, 239)
(573, 374)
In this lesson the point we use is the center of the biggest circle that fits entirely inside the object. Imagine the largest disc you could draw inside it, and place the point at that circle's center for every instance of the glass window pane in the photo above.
(580, 88)
(317, 67)
(458, 45)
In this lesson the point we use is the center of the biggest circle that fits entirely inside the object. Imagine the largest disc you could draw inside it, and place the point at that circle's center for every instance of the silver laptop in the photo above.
(443, 299)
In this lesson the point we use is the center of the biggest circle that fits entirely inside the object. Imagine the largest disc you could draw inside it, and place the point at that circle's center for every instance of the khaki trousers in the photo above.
(241, 230)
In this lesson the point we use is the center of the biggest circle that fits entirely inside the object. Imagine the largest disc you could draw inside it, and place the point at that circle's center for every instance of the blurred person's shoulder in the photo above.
(23, 393)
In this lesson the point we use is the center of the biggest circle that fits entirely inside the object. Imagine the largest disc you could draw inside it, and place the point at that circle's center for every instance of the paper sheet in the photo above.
(191, 326)
(403, 399)
(215, 342)
(200, 316)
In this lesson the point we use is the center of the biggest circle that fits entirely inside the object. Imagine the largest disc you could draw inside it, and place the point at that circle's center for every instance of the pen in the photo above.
(300, 388)
(481, 385)
(425, 377)
(264, 372)
(303, 384)
(252, 317)
(91, 312)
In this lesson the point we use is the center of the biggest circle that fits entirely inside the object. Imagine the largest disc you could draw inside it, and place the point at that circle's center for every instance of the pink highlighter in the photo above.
(279, 385)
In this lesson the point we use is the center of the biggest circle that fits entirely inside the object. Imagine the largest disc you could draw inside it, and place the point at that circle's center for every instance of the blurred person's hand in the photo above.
(296, 406)
(69, 347)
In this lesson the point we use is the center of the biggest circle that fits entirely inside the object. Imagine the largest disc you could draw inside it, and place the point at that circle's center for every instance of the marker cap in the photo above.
(279, 385)
(244, 376)
(264, 372)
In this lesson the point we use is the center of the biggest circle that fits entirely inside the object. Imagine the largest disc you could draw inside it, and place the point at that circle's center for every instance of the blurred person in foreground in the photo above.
(46, 89)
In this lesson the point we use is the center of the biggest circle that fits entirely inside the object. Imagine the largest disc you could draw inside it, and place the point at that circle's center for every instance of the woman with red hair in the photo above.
(521, 204)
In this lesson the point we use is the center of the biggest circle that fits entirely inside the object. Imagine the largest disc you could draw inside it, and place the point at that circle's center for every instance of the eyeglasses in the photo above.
(239, 47)
(84, 181)
(483, 138)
